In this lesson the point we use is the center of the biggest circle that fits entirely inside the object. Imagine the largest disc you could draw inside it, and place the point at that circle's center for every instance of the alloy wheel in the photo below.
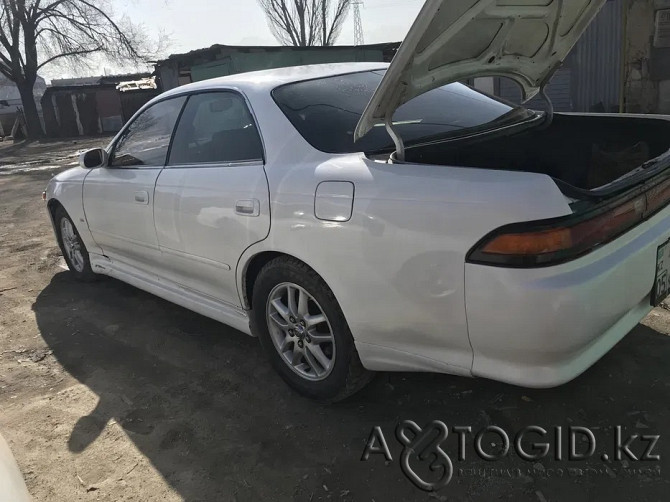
(72, 244)
(300, 331)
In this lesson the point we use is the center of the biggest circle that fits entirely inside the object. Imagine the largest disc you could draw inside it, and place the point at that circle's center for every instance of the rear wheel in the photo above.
(73, 249)
(304, 332)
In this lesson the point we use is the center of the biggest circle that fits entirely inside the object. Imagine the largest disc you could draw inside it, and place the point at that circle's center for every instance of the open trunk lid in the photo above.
(451, 40)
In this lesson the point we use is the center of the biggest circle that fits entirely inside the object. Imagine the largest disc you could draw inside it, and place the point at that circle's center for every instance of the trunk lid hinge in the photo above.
(397, 140)
(549, 118)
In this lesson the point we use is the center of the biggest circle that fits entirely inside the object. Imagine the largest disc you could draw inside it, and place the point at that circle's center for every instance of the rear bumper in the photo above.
(543, 327)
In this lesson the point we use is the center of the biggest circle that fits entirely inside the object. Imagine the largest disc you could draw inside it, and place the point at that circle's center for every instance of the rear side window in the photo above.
(145, 142)
(216, 127)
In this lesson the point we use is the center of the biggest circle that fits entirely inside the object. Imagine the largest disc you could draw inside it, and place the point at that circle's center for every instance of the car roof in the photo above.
(270, 79)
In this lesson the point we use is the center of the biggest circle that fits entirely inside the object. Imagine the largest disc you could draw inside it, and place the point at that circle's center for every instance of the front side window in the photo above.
(216, 127)
(325, 112)
(146, 140)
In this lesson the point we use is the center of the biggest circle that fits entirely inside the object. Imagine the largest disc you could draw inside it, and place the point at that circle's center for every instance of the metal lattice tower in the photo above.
(359, 39)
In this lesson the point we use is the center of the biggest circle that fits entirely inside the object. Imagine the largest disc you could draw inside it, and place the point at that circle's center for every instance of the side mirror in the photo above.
(91, 159)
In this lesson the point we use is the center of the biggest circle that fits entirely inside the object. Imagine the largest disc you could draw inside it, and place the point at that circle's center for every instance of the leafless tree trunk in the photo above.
(306, 22)
(334, 13)
(35, 33)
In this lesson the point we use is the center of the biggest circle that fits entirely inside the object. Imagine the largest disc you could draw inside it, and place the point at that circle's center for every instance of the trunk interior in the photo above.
(585, 151)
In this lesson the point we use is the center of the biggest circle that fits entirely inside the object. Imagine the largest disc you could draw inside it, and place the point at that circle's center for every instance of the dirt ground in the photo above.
(109, 393)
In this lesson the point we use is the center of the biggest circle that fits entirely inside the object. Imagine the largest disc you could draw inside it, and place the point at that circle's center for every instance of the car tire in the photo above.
(73, 248)
(313, 366)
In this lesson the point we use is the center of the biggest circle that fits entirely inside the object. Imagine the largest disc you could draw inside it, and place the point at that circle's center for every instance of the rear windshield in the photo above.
(326, 110)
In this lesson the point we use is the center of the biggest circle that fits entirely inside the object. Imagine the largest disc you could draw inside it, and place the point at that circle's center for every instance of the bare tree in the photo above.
(306, 22)
(332, 19)
(35, 33)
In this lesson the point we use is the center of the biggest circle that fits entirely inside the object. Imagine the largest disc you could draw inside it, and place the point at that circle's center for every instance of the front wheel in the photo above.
(73, 249)
(304, 332)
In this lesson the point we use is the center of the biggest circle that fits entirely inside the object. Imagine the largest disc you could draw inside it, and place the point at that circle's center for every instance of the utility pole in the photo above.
(358, 25)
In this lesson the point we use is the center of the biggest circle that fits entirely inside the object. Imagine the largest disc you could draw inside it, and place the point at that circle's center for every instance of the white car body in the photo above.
(389, 239)
(12, 486)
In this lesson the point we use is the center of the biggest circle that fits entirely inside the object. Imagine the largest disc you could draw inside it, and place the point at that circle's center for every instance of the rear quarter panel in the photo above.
(397, 266)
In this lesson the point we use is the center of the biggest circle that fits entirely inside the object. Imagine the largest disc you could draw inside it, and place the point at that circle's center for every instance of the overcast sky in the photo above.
(194, 24)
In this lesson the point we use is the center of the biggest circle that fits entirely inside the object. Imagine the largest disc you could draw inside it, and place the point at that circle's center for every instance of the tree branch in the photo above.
(305, 22)
(67, 55)
(36, 33)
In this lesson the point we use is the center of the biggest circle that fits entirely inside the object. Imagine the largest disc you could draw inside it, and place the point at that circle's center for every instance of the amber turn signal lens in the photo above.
(524, 244)
(577, 237)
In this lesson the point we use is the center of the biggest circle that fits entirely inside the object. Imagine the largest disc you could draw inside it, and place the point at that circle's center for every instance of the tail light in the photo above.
(549, 242)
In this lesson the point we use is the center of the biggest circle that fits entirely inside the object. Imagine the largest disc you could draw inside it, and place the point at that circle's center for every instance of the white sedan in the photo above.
(12, 486)
(362, 217)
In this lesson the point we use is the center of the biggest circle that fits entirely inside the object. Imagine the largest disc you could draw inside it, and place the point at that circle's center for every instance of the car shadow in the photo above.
(200, 401)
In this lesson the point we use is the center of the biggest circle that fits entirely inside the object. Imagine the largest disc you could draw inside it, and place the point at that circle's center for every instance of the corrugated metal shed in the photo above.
(240, 62)
(220, 60)
(596, 60)
(590, 77)
(80, 110)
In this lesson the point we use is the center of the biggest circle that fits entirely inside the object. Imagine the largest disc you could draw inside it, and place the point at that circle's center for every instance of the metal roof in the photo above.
(269, 79)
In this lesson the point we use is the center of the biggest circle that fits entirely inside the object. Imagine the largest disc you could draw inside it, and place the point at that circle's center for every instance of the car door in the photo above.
(212, 199)
(118, 198)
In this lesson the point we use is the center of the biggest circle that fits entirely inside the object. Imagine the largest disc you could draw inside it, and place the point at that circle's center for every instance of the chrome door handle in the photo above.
(250, 207)
(142, 197)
